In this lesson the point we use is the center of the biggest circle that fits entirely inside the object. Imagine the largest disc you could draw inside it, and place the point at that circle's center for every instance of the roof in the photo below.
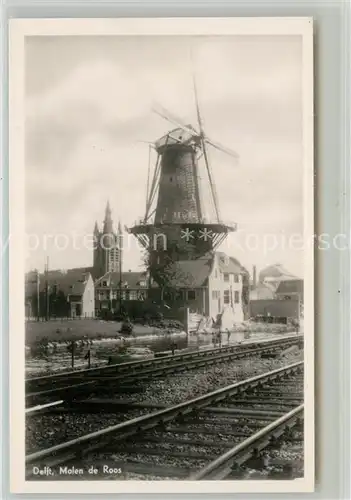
(68, 282)
(275, 271)
(229, 264)
(131, 278)
(290, 286)
(191, 273)
(194, 273)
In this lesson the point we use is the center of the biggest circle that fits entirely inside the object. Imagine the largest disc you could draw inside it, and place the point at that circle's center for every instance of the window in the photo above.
(236, 297)
(191, 295)
(215, 294)
(133, 295)
(236, 278)
(216, 274)
(226, 296)
(104, 283)
(226, 277)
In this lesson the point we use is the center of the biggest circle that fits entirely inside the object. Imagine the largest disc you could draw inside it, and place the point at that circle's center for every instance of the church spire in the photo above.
(108, 224)
(108, 209)
(96, 229)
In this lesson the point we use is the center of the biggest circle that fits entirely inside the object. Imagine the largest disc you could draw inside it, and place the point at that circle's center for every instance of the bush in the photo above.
(127, 327)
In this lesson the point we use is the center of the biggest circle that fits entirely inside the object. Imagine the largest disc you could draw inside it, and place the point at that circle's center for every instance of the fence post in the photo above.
(73, 349)
(187, 321)
(88, 357)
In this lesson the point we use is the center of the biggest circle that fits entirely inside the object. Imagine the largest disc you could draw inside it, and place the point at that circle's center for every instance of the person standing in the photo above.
(173, 347)
(219, 334)
(219, 330)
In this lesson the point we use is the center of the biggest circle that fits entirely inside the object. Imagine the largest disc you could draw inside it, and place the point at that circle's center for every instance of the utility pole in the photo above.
(120, 246)
(47, 314)
(38, 295)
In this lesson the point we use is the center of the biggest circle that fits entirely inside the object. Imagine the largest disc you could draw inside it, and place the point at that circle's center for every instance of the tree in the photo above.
(165, 271)
(58, 304)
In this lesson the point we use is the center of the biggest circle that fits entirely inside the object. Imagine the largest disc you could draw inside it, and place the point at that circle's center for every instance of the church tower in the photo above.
(106, 248)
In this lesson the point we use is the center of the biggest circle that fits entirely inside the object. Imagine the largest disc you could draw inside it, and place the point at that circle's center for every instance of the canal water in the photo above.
(137, 348)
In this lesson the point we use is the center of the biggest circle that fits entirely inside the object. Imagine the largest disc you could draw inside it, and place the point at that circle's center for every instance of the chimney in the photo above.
(254, 277)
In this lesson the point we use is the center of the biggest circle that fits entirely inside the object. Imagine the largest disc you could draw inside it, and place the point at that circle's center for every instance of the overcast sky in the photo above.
(88, 104)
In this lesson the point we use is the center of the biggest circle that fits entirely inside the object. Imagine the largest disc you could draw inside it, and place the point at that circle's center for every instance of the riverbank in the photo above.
(78, 329)
(134, 348)
(57, 357)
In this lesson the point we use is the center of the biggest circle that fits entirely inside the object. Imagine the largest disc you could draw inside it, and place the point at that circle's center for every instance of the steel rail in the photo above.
(155, 371)
(155, 361)
(79, 447)
(223, 466)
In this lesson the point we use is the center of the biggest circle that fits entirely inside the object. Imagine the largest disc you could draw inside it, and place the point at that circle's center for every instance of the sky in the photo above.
(89, 106)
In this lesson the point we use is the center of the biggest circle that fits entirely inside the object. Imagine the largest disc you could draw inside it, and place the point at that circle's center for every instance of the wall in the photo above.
(292, 295)
(275, 307)
(232, 312)
(88, 299)
(198, 304)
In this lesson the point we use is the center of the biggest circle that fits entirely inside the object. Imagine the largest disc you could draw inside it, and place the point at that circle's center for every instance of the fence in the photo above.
(31, 319)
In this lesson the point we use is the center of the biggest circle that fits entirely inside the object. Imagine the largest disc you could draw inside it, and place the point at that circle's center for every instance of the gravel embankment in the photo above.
(185, 386)
(43, 431)
(285, 453)
(164, 460)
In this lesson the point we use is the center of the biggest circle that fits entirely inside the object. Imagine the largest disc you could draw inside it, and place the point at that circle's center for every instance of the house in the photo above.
(278, 294)
(60, 294)
(81, 297)
(212, 286)
(110, 289)
(292, 288)
(278, 310)
(275, 282)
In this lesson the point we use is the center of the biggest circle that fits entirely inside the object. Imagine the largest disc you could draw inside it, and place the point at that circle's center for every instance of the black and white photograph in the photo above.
(162, 241)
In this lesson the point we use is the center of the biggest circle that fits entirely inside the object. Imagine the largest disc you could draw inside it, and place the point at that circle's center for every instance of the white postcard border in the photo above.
(19, 29)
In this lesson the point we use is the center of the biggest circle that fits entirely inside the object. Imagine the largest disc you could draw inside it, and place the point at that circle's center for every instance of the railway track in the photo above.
(210, 437)
(43, 390)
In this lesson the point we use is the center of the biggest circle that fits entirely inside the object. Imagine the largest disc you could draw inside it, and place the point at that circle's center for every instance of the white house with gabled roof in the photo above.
(212, 286)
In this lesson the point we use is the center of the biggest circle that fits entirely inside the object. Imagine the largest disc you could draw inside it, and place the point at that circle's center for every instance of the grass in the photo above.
(63, 330)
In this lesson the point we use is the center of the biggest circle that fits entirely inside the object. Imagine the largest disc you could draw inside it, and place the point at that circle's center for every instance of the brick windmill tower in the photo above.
(176, 224)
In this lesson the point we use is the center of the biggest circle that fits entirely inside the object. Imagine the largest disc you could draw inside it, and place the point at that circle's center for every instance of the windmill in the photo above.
(175, 183)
